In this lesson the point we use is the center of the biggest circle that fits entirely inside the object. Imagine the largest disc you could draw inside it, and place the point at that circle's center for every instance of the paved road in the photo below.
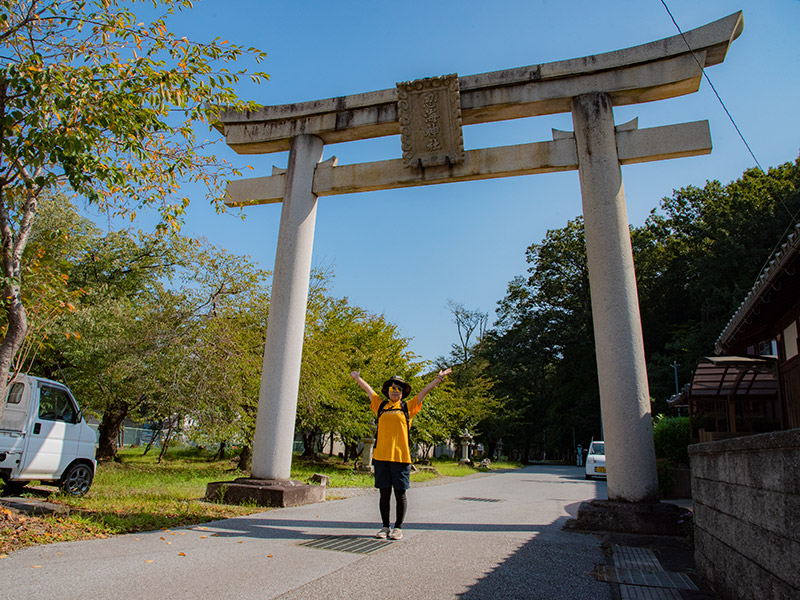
(497, 535)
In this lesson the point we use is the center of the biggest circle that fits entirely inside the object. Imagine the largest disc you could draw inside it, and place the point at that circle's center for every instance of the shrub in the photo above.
(672, 436)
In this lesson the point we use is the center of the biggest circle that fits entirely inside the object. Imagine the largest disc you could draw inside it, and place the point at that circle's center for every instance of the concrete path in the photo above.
(496, 535)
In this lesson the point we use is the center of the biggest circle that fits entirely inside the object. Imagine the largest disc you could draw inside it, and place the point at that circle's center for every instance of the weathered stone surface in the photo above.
(740, 578)
(647, 518)
(320, 479)
(283, 350)
(429, 111)
(654, 71)
(751, 542)
(33, 506)
(746, 502)
(621, 366)
(277, 493)
(633, 146)
(768, 509)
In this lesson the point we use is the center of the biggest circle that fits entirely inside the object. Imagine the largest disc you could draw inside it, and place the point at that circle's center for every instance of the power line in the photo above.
(741, 135)
(702, 69)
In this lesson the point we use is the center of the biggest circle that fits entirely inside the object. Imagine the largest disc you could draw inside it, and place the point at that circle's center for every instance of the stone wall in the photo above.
(746, 495)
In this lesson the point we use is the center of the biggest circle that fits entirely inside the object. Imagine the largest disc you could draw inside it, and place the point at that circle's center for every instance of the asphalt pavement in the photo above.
(493, 535)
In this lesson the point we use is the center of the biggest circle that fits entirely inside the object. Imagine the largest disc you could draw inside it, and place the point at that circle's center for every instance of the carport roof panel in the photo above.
(722, 377)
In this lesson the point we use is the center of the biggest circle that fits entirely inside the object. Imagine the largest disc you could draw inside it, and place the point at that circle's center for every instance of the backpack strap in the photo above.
(404, 407)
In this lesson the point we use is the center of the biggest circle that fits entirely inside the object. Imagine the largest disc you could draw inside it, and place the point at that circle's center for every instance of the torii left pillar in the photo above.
(270, 483)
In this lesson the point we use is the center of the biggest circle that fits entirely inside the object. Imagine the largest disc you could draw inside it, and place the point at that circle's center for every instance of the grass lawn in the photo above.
(138, 494)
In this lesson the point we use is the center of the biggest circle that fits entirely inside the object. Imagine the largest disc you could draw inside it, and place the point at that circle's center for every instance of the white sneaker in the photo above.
(383, 533)
(396, 534)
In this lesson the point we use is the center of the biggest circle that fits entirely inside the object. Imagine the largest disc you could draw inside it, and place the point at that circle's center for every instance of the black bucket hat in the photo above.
(398, 380)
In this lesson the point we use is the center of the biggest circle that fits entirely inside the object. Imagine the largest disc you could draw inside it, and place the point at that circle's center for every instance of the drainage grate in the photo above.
(348, 543)
(471, 499)
(640, 559)
(632, 592)
(663, 579)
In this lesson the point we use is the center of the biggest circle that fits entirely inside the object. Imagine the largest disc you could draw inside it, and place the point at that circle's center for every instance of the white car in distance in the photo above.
(596, 460)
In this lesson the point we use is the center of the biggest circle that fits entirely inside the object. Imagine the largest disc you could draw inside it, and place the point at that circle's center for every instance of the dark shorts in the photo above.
(392, 474)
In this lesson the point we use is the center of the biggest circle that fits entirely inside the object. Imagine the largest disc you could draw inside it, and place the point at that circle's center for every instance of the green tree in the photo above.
(697, 259)
(341, 338)
(541, 352)
(216, 370)
(103, 105)
(122, 326)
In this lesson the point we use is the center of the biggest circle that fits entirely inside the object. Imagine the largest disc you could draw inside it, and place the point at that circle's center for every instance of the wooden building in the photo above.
(753, 385)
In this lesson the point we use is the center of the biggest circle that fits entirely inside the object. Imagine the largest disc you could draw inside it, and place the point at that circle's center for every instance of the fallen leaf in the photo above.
(36, 566)
(181, 554)
(240, 542)
(162, 538)
(202, 537)
(3, 556)
(269, 555)
(148, 561)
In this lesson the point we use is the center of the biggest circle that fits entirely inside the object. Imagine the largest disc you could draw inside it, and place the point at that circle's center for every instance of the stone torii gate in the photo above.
(429, 115)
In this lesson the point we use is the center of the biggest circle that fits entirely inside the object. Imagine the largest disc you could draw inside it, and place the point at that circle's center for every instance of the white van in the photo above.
(44, 437)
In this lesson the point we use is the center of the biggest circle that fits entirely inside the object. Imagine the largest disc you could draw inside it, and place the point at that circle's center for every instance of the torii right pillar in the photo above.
(619, 346)
(622, 372)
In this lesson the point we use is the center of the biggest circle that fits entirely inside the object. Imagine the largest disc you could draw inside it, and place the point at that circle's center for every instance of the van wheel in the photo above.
(76, 480)
(588, 476)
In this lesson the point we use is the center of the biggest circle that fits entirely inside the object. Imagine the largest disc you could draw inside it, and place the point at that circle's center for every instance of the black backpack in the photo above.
(404, 408)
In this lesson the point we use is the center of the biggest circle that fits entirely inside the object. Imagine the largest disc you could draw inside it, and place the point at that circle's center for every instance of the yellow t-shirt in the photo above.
(392, 442)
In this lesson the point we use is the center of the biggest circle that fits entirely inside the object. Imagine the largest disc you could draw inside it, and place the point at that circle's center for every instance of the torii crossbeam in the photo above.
(429, 115)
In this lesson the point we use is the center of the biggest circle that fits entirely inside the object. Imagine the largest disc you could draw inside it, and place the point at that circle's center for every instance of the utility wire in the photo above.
(727, 112)
(702, 69)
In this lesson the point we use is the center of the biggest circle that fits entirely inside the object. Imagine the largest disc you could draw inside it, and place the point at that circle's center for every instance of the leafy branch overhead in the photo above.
(96, 103)
(92, 98)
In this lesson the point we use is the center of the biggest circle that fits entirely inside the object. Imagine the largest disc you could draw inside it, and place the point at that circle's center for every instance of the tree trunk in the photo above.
(309, 443)
(246, 459)
(156, 433)
(350, 451)
(490, 448)
(165, 445)
(12, 248)
(113, 417)
(220, 455)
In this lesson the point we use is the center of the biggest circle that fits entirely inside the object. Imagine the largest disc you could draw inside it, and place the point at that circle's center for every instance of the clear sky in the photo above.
(405, 253)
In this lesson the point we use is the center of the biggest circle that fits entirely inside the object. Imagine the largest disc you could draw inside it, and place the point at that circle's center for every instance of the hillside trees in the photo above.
(466, 401)
(698, 257)
(95, 102)
(541, 351)
(341, 338)
(121, 327)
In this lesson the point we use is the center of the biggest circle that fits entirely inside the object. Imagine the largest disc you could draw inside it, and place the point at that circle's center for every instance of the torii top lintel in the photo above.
(658, 70)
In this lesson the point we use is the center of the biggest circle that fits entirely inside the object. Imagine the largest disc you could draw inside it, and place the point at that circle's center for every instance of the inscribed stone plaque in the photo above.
(430, 117)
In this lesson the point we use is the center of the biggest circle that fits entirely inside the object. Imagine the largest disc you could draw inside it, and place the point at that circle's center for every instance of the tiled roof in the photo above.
(765, 283)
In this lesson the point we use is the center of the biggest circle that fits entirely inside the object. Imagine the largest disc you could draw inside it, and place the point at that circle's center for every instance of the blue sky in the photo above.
(464, 242)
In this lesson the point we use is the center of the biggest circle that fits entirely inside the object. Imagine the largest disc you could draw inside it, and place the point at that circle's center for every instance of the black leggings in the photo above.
(400, 497)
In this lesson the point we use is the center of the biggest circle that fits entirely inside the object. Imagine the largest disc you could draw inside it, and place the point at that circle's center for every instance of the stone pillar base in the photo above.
(647, 518)
(276, 493)
(364, 469)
